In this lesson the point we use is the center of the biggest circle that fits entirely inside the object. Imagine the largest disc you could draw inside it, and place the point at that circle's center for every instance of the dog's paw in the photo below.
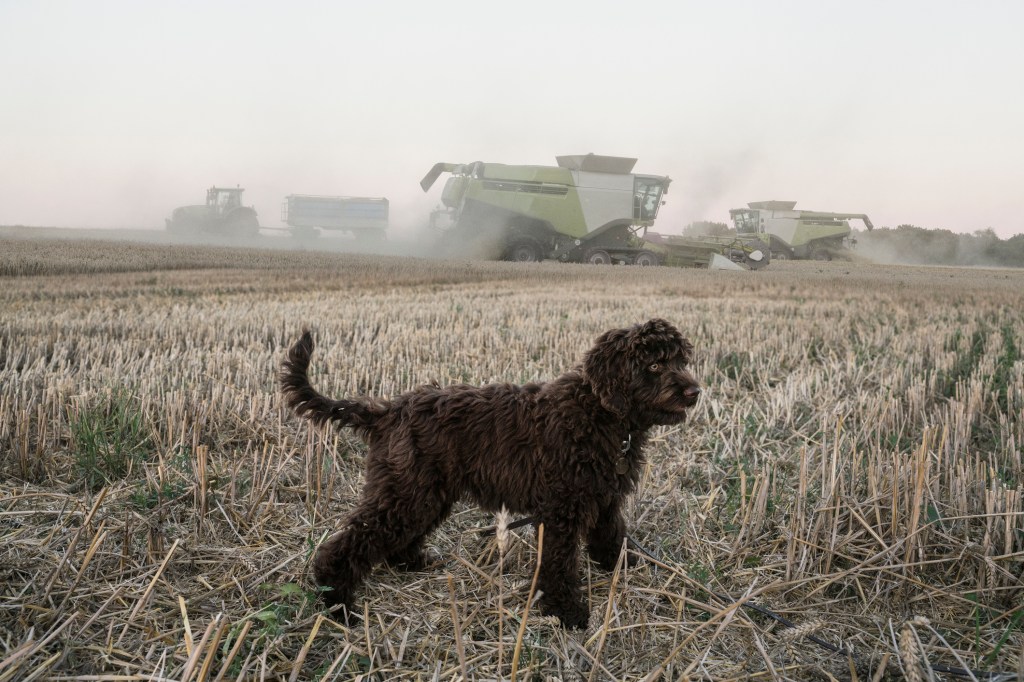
(338, 605)
(610, 560)
(572, 615)
(341, 613)
(575, 619)
(415, 560)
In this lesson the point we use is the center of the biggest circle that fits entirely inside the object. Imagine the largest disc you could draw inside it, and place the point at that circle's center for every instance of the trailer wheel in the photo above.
(524, 251)
(646, 258)
(598, 257)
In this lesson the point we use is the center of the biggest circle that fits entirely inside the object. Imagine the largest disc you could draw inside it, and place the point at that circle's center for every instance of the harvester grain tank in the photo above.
(222, 215)
(588, 208)
(797, 234)
(364, 217)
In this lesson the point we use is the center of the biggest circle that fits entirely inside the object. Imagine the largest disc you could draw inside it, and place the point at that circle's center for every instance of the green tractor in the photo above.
(222, 215)
(797, 234)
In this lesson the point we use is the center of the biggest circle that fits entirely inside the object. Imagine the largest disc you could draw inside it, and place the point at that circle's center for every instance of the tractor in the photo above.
(222, 215)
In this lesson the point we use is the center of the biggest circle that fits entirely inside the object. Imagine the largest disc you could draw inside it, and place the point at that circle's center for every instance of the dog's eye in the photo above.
(655, 367)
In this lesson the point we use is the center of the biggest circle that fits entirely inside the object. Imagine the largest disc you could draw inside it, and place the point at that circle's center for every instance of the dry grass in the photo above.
(855, 466)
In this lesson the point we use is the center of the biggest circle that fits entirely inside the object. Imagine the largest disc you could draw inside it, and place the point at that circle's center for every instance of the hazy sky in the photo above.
(112, 113)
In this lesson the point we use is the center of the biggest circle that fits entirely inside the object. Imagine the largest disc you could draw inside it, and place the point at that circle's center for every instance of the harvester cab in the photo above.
(647, 193)
(795, 233)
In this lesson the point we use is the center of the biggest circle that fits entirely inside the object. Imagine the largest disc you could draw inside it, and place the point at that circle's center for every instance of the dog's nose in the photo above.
(692, 391)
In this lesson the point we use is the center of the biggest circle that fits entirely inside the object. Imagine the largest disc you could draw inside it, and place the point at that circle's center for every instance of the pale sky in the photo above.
(113, 113)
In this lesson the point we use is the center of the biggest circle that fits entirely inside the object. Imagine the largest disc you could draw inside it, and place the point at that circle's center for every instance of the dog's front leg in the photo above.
(559, 575)
(604, 541)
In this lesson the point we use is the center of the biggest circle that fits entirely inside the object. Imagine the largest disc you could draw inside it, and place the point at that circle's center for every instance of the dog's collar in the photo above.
(627, 443)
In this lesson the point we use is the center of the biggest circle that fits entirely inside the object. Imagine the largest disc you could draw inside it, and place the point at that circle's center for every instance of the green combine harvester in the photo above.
(587, 209)
(797, 234)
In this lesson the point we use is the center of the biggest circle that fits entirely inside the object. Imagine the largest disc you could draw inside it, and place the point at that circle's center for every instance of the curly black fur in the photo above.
(565, 451)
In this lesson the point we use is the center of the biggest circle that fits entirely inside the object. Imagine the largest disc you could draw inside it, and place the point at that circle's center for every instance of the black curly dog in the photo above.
(566, 452)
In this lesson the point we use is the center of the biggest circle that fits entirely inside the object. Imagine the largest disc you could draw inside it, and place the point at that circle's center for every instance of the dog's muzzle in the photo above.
(690, 395)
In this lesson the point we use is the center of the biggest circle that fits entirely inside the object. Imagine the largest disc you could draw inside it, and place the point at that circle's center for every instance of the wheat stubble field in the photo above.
(854, 465)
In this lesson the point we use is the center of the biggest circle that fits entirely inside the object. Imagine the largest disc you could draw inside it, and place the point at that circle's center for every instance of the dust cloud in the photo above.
(911, 245)
(410, 239)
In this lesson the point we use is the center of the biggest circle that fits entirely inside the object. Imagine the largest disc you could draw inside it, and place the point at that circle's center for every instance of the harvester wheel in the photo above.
(598, 257)
(524, 251)
(821, 254)
(646, 258)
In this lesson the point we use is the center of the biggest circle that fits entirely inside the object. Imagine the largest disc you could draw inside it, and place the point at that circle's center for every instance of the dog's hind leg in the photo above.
(343, 560)
(412, 557)
(417, 499)
(385, 526)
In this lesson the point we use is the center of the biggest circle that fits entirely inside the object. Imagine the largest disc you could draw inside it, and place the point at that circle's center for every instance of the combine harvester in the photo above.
(797, 234)
(587, 209)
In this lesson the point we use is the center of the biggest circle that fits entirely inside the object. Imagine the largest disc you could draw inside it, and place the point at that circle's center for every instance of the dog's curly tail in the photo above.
(306, 402)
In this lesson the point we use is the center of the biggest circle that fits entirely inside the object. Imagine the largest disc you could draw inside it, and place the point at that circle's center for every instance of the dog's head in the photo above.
(640, 373)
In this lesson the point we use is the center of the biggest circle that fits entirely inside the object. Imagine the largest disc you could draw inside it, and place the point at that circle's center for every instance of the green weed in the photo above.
(109, 438)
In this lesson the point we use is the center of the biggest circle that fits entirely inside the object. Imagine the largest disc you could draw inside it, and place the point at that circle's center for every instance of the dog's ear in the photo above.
(655, 332)
(658, 332)
(606, 369)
